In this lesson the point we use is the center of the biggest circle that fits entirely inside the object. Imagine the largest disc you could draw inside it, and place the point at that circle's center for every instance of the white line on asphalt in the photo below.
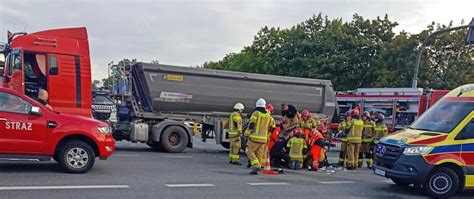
(125, 155)
(177, 156)
(190, 185)
(65, 187)
(336, 182)
(388, 181)
(267, 183)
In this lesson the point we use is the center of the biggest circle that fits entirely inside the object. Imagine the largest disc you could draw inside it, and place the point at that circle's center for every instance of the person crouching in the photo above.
(297, 147)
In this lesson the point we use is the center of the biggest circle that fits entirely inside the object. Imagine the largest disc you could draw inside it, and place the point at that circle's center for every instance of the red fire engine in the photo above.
(401, 106)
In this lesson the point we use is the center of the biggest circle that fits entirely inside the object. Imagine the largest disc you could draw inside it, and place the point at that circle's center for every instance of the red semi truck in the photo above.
(32, 132)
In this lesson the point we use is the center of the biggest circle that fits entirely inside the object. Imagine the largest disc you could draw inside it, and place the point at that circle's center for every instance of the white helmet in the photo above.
(261, 103)
(239, 106)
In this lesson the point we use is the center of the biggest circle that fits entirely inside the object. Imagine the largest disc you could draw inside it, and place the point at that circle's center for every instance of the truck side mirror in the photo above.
(470, 33)
(35, 111)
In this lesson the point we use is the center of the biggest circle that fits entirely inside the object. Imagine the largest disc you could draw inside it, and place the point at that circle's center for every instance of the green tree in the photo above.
(354, 54)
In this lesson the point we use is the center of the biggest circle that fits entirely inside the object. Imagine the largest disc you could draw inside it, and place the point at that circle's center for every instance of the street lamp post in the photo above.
(469, 40)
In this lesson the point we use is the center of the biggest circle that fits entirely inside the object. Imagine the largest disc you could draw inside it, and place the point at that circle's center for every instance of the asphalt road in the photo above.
(135, 171)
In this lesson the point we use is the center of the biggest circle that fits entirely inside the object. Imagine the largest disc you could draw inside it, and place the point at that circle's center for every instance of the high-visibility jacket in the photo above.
(355, 134)
(309, 123)
(369, 131)
(262, 124)
(235, 124)
(381, 130)
(342, 128)
(296, 146)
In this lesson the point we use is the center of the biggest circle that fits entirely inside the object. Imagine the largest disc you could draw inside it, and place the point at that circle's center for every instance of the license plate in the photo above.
(380, 172)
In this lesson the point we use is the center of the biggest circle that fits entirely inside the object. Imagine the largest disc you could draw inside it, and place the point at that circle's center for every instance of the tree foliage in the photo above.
(354, 54)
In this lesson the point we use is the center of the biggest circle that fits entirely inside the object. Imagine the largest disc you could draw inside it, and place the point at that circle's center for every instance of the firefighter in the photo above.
(343, 129)
(270, 141)
(381, 129)
(290, 120)
(307, 123)
(235, 130)
(354, 139)
(257, 133)
(297, 147)
(367, 140)
(316, 149)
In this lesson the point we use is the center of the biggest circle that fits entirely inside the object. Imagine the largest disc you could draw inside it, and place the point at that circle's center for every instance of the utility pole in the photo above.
(469, 40)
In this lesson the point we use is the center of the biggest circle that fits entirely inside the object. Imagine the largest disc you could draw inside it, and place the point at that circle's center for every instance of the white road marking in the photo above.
(64, 187)
(189, 185)
(388, 181)
(177, 156)
(125, 155)
(336, 182)
(267, 183)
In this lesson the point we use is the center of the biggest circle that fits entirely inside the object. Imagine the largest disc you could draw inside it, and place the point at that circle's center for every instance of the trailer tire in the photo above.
(76, 157)
(226, 145)
(443, 182)
(174, 139)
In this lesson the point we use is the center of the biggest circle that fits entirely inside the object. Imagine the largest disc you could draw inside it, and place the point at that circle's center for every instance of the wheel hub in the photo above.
(77, 158)
(441, 183)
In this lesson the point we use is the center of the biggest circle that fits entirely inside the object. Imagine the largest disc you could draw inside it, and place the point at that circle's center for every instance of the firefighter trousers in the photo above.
(352, 154)
(234, 149)
(342, 153)
(365, 153)
(255, 152)
(317, 155)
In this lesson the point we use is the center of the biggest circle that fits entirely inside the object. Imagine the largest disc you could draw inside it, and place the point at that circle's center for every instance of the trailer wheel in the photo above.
(442, 183)
(76, 157)
(174, 139)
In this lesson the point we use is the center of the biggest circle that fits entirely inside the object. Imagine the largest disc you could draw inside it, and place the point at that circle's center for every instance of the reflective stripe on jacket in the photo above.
(263, 122)
(355, 134)
(296, 146)
(235, 124)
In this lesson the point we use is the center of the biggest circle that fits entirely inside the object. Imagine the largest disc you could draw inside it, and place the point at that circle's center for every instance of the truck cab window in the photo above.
(467, 132)
(13, 104)
(53, 65)
(14, 63)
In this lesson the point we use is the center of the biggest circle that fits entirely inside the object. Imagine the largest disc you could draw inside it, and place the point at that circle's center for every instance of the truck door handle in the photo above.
(3, 119)
(52, 124)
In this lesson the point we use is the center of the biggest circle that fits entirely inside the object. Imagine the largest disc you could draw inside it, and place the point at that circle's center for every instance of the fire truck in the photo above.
(401, 106)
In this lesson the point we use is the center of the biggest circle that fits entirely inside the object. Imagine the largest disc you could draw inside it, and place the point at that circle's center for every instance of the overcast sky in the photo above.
(192, 32)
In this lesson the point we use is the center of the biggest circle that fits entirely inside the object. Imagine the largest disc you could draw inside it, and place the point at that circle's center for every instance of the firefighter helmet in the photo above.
(269, 108)
(355, 113)
(239, 106)
(305, 114)
(260, 103)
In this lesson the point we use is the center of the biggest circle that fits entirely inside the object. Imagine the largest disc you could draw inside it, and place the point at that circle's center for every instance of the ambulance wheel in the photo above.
(76, 157)
(174, 139)
(442, 183)
(400, 182)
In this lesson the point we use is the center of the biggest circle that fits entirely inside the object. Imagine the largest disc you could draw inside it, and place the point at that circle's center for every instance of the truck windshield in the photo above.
(444, 116)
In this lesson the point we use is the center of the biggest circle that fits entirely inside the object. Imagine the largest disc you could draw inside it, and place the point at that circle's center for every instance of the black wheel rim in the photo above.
(174, 139)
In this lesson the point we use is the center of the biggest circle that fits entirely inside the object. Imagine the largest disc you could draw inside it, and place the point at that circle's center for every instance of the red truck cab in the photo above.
(30, 131)
(54, 60)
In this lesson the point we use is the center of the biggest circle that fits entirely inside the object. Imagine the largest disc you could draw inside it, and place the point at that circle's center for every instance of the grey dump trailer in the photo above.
(160, 98)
